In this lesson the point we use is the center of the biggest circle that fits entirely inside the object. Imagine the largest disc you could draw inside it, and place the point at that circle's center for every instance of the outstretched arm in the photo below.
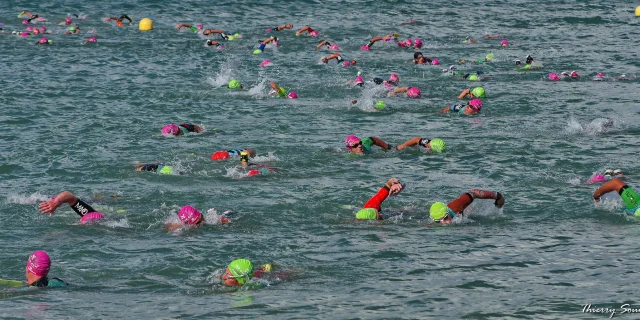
(399, 90)
(331, 56)
(303, 29)
(409, 143)
(53, 204)
(322, 43)
(282, 27)
(484, 194)
(124, 16)
(183, 25)
(614, 184)
(380, 143)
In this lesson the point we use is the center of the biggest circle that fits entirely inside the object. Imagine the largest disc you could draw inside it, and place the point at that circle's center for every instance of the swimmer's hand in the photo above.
(49, 207)
(500, 200)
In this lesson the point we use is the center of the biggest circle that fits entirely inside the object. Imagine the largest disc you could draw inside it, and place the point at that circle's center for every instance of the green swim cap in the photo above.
(166, 170)
(234, 84)
(257, 51)
(478, 92)
(437, 145)
(230, 38)
(527, 66)
(50, 41)
(71, 29)
(236, 34)
(637, 212)
(367, 214)
(438, 211)
(473, 77)
(490, 56)
(380, 105)
(241, 270)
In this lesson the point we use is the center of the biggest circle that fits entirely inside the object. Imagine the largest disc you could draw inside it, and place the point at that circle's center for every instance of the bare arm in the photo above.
(286, 26)
(611, 185)
(380, 143)
(53, 204)
(409, 143)
(446, 109)
(464, 93)
(303, 29)
(266, 41)
(321, 44)
(399, 90)
(183, 25)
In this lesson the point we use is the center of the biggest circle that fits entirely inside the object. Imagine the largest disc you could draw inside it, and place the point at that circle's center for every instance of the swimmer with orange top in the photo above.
(444, 214)
(371, 209)
(119, 20)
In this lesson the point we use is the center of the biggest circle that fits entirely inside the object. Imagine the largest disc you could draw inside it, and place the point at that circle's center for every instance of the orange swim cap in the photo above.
(119, 23)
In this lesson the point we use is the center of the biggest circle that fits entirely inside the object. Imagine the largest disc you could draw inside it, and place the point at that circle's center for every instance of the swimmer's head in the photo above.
(292, 95)
(352, 141)
(518, 63)
(435, 62)
(365, 48)
(244, 157)
(394, 79)
(478, 92)
(597, 178)
(39, 263)
(413, 92)
(189, 215)
(314, 33)
(25, 21)
(417, 43)
(554, 76)
(30, 28)
(359, 80)
(438, 211)
(504, 43)
(489, 57)
(574, 74)
(91, 217)
(476, 105)
(241, 270)
(171, 129)
(72, 29)
(43, 41)
(600, 75)
(67, 20)
(437, 145)
(334, 46)
(235, 84)
(380, 105)
(200, 26)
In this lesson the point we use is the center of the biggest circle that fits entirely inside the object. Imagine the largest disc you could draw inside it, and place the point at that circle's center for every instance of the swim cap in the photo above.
(554, 76)
(637, 212)
(30, 28)
(417, 43)
(490, 57)
(334, 47)
(257, 51)
(473, 77)
(314, 33)
(346, 63)
(437, 145)
(234, 84)
(476, 104)
(601, 75)
(43, 40)
(292, 95)
(265, 63)
(596, 178)
(170, 129)
(241, 270)
(365, 48)
(380, 105)
(478, 92)
(189, 215)
(72, 29)
(39, 263)
(438, 211)
(220, 155)
(359, 80)
(231, 38)
(394, 78)
(574, 74)
(166, 170)
(504, 43)
(67, 20)
(91, 217)
(435, 62)
(25, 22)
(351, 140)
(200, 26)
(92, 39)
(367, 214)
(413, 93)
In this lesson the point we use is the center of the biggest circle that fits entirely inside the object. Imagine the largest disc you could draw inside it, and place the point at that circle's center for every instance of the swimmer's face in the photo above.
(228, 279)
(353, 62)
(357, 148)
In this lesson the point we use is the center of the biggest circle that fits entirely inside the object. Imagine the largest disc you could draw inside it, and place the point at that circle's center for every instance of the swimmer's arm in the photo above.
(172, 226)
(110, 18)
(409, 143)
(614, 184)
(285, 26)
(29, 14)
(321, 44)
(374, 40)
(380, 143)
(197, 128)
(399, 90)
(446, 109)
(183, 25)
(303, 29)
(124, 16)
(485, 194)
(266, 41)
(53, 204)
(274, 86)
(464, 93)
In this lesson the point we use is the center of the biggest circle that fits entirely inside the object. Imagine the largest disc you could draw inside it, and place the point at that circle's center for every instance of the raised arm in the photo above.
(614, 184)
(331, 56)
(53, 204)
(464, 93)
(124, 16)
(303, 29)
(322, 43)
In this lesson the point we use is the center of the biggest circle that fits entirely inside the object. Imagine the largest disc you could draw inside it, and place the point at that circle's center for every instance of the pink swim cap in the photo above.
(334, 47)
(92, 39)
(170, 129)
(413, 93)
(574, 74)
(268, 29)
(292, 95)
(554, 76)
(36, 31)
(314, 33)
(504, 42)
(24, 34)
(43, 28)
(417, 43)
(601, 75)
(596, 178)
(67, 20)
(564, 73)
(351, 140)
(404, 44)
(265, 63)
(435, 62)
(39, 263)
(476, 104)
(25, 21)
(91, 217)
(200, 26)
(359, 80)
(189, 215)
(30, 28)
(346, 63)
(394, 78)
(43, 40)
(365, 48)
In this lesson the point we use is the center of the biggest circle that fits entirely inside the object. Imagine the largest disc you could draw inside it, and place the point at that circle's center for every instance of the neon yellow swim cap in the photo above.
(437, 145)
(234, 84)
(166, 170)
(527, 66)
(257, 51)
(367, 214)
(490, 56)
(266, 267)
(478, 92)
(241, 270)
(380, 105)
(438, 211)
(282, 92)
(231, 38)
(473, 77)
(637, 213)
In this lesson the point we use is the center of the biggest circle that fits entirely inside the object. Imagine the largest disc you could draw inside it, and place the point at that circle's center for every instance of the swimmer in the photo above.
(263, 43)
(477, 92)
(31, 17)
(156, 167)
(240, 271)
(195, 29)
(281, 92)
(467, 40)
(608, 175)
(444, 214)
(327, 44)
(477, 76)
(371, 210)
(599, 77)
(419, 58)
(73, 30)
(529, 63)
(43, 42)
(435, 145)
(210, 32)
(410, 22)
(67, 21)
(182, 129)
(629, 196)
(85, 211)
(90, 39)
(282, 27)
(339, 59)
(411, 92)
(252, 168)
(119, 20)
(226, 154)
(361, 147)
(235, 84)
(472, 107)
(37, 270)
(210, 43)
(307, 29)
(373, 40)
(191, 217)
(573, 75)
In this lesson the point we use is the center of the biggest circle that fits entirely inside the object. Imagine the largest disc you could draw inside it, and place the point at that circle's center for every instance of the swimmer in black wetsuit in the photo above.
(119, 20)
(156, 167)
(282, 27)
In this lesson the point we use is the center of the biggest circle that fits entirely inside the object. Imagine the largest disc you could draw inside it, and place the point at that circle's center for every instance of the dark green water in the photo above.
(77, 117)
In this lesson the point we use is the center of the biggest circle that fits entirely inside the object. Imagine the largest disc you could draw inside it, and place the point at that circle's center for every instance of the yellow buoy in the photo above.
(145, 24)
(638, 11)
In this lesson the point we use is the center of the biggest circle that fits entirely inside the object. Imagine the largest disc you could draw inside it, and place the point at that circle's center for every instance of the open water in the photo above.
(79, 117)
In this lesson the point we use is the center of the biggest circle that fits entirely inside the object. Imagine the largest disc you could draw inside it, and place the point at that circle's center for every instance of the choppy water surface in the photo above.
(78, 117)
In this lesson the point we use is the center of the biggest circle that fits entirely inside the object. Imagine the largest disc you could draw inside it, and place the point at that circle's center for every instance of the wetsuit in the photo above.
(82, 208)
(186, 128)
(46, 282)
(631, 200)
(372, 207)
(463, 201)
